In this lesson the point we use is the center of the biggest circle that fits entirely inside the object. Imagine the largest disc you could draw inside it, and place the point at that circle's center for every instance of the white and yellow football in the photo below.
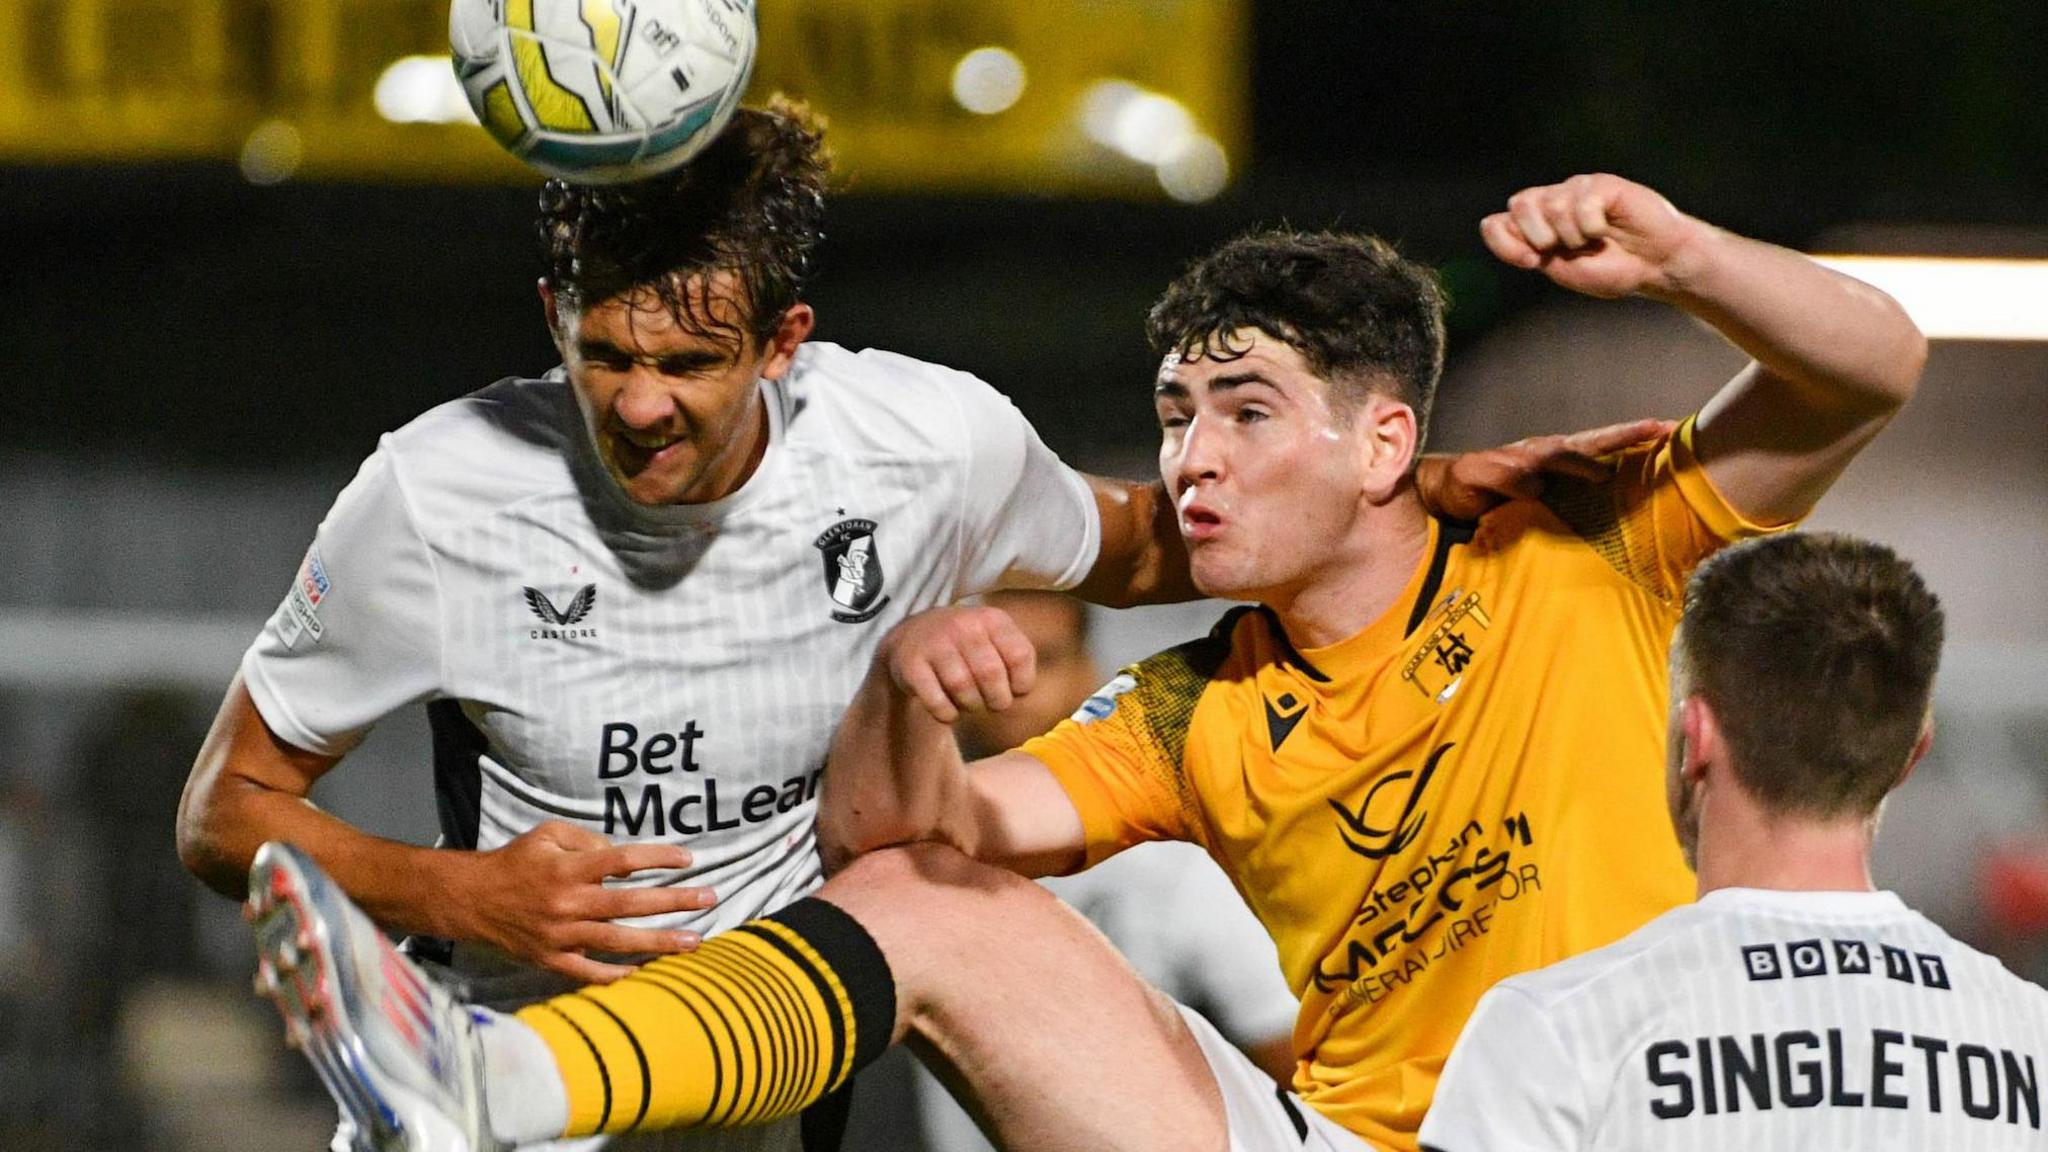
(603, 91)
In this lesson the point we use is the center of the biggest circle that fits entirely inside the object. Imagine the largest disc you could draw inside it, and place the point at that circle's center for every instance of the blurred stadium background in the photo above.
(244, 237)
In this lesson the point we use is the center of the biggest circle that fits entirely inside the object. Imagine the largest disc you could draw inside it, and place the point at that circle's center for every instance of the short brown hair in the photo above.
(1359, 314)
(753, 203)
(1817, 652)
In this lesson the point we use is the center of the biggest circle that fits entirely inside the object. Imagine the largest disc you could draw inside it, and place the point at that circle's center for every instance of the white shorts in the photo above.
(1263, 1116)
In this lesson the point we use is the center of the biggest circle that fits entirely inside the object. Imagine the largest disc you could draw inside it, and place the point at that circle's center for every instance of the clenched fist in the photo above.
(1600, 235)
(960, 659)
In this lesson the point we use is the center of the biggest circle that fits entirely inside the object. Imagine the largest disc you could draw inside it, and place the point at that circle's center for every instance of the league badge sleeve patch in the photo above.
(301, 616)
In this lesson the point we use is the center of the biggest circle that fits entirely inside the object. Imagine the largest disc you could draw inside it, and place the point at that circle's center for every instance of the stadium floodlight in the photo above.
(1152, 129)
(1145, 126)
(421, 90)
(1159, 132)
(1960, 299)
(1099, 105)
(1198, 171)
(272, 152)
(989, 80)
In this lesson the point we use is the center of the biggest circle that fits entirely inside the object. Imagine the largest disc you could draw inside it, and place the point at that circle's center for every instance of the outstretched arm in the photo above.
(896, 775)
(1834, 358)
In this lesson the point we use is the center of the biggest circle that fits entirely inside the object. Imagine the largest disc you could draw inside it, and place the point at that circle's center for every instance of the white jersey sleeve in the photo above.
(1510, 1085)
(1027, 520)
(359, 634)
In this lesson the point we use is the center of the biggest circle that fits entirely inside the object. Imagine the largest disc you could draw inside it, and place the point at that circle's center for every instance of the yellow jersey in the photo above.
(1471, 787)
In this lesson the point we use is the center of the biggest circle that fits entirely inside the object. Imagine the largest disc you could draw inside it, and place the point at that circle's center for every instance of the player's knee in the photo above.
(924, 866)
(943, 889)
(946, 923)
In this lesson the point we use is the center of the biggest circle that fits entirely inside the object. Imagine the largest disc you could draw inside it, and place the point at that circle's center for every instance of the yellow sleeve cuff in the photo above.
(1697, 488)
(1101, 829)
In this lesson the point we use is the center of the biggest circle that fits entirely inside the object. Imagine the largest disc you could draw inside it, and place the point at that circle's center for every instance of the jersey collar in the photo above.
(1364, 651)
(1804, 902)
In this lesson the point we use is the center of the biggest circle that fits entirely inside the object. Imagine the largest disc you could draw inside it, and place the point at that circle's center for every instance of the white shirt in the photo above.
(659, 674)
(1794, 1021)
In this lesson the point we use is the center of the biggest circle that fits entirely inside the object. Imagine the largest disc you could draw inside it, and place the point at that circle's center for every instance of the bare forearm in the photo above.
(403, 887)
(1802, 322)
(1143, 559)
(248, 786)
(540, 898)
(894, 775)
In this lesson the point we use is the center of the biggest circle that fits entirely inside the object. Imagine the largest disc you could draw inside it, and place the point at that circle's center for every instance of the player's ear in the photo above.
(1388, 437)
(1703, 744)
(550, 308)
(789, 335)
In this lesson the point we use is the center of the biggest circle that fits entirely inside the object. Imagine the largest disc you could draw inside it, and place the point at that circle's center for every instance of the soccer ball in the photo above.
(603, 91)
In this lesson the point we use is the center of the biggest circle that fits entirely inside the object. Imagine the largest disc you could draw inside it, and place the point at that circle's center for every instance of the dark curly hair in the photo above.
(1362, 317)
(753, 203)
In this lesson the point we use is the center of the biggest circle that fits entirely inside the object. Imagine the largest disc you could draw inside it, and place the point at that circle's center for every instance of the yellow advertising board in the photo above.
(288, 86)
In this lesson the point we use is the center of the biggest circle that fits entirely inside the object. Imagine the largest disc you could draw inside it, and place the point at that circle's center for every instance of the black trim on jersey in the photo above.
(1203, 657)
(1226, 627)
(1448, 533)
(458, 776)
(1165, 690)
(429, 949)
(1293, 1114)
(1288, 652)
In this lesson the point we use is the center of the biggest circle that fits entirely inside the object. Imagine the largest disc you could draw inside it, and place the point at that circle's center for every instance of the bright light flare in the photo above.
(422, 90)
(1199, 171)
(989, 80)
(272, 152)
(1101, 103)
(1960, 299)
(1159, 132)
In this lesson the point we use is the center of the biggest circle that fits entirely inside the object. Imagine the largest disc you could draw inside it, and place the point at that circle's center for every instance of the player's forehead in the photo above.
(645, 322)
(1233, 356)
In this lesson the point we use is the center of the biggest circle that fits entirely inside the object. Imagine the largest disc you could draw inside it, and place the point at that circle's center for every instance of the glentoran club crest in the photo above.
(853, 570)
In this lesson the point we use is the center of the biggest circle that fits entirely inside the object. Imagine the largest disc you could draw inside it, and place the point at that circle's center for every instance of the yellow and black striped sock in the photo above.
(756, 1024)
